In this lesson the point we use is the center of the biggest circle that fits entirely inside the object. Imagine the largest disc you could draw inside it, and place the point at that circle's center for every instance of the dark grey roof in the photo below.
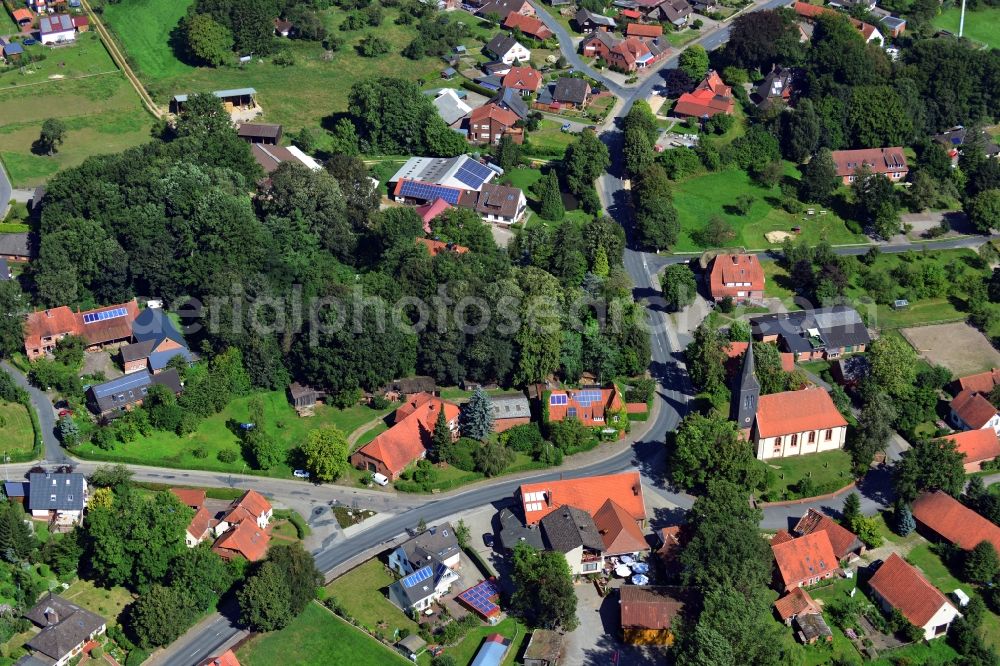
(570, 89)
(123, 391)
(583, 16)
(746, 393)
(511, 99)
(838, 326)
(568, 527)
(55, 492)
(259, 130)
(64, 626)
(137, 350)
(14, 489)
(434, 544)
(513, 531)
(421, 586)
(812, 626)
(418, 384)
(154, 324)
(4, 270)
(500, 44)
(18, 245)
(32, 660)
(514, 406)
(778, 80)
(545, 93)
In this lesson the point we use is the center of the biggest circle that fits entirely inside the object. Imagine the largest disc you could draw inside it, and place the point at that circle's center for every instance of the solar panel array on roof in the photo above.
(557, 399)
(588, 397)
(428, 192)
(104, 315)
(473, 174)
(481, 598)
(417, 576)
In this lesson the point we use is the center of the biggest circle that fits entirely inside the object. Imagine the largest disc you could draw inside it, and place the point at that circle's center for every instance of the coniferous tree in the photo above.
(476, 417)
(551, 199)
(441, 438)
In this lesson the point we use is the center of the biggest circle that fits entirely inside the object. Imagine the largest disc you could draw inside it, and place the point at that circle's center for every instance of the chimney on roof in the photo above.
(635, 489)
(548, 498)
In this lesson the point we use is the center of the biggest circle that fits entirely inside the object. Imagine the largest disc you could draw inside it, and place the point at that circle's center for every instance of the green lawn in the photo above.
(106, 602)
(80, 85)
(321, 87)
(362, 593)
(829, 471)
(213, 435)
(982, 25)
(679, 38)
(699, 198)
(465, 652)
(548, 141)
(312, 639)
(16, 433)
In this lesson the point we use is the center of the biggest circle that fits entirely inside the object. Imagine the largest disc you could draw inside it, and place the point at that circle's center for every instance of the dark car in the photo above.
(488, 540)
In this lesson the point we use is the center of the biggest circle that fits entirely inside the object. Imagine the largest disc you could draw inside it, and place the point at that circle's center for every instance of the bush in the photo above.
(227, 455)
(379, 402)
(97, 653)
(461, 454)
(199, 452)
(524, 438)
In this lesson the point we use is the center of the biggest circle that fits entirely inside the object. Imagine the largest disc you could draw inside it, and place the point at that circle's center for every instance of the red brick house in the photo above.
(528, 25)
(889, 162)
(407, 440)
(625, 55)
(710, 98)
(98, 327)
(805, 560)
(593, 407)
(978, 447)
(525, 80)
(489, 123)
(845, 543)
(737, 276)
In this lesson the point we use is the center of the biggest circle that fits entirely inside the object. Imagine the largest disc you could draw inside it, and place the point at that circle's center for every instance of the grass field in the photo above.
(465, 652)
(213, 435)
(829, 471)
(312, 639)
(16, 432)
(300, 95)
(982, 25)
(702, 197)
(362, 593)
(548, 141)
(106, 602)
(101, 111)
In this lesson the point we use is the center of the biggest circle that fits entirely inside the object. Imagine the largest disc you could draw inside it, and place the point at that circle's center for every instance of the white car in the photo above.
(380, 479)
(301, 474)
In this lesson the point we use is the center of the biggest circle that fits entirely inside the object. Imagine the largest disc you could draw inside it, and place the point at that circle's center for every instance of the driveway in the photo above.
(46, 416)
(595, 641)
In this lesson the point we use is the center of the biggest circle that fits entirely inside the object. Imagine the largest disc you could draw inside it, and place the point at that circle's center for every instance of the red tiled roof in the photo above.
(648, 607)
(630, 13)
(22, 14)
(493, 112)
(404, 442)
(977, 445)
(436, 247)
(780, 537)
(523, 78)
(63, 321)
(905, 589)
(711, 97)
(806, 10)
(252, 505)
(618, 530)
(737, 349)
(797, 411)
(843, 540)
(954, 521)
(227, 658)
(587, 494)
(982, 382)
(879, 160)
(590, 413)
(806, 557)
(529, 25)
(80, 20)
(189, 497)
(428, 212)
(413, 401)
(201, 523)
(735, 269)
(669, 540)
(796, 602)
(245, 539)
(640, 30)
(973, 408)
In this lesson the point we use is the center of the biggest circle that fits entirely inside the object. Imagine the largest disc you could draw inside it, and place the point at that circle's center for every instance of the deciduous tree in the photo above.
(679, 286)
(929, 465)
(543, 589)
(326, 450)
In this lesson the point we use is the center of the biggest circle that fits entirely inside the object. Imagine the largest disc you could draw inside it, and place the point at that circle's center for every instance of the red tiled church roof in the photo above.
(797, 411)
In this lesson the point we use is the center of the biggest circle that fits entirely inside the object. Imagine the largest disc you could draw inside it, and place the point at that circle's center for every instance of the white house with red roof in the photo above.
(736, 276)
(897, 585)
(794, 423)
(972, 410)
(588, 494)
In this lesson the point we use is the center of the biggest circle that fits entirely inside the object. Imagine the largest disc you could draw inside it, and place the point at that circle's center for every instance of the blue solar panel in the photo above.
(104, 315)
(588, 397)
(473, 174)
(417, 576)
(557, 399)
(429, 192)
(480, 598)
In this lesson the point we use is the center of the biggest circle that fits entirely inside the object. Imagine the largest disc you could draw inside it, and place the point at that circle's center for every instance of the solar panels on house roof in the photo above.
(557, 399)
(588, 397)
(418, 576)
(428, 192)
(104, 315)
(481, 598)
(473, 174)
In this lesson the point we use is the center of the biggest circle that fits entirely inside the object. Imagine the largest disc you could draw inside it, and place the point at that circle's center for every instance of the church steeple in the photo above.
(746, 393)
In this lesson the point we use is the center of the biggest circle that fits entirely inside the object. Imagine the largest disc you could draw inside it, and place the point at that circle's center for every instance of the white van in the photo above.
(380, 479)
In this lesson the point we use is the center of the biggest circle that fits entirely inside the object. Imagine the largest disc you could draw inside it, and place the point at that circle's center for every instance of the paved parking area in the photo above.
(595, 642)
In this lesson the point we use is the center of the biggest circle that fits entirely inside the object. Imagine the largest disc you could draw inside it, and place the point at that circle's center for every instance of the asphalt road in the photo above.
(5, 191)
(54, 453)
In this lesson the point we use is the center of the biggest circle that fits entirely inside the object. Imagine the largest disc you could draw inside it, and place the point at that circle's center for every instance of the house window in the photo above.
(590, 567)
(829, 435)
(812, 437)
(795, 440)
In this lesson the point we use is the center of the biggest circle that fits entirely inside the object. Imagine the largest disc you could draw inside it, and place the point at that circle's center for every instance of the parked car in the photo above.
(565, 127)
(488, 540)
(30, 42)
(380, 479)
(65, 412)
(300, 474)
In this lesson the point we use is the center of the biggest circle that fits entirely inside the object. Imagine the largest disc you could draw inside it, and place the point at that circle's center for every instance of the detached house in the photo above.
(594, 407)
(897, 585)
(845, 543)
(710, 98)
(407, 440)
(978, 447)
(126, 392)
(488, 123)
(58, 498)
(588, 21)
(971, 410)
(427, 563)
(56, 28)
(737, 276)
(65, 629)
(98, 327)
(242, 529)
(941, 517)
(525, 80)
(674, 12)
(888, 162)
(826, 333)
(625, 55)
(776, 88)
(528, 25)
(504, 8)
(507, 50)
(805, 560)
